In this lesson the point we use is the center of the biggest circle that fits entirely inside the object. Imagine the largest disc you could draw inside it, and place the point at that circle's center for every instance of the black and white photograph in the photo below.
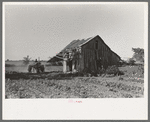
(75, 52)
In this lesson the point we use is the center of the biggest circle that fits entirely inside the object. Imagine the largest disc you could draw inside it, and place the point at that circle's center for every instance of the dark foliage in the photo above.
(26, 60)
(131, 61)
(138, 54)
(113, 70)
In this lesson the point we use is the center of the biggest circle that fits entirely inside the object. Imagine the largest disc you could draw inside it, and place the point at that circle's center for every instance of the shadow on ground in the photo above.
(46, 75)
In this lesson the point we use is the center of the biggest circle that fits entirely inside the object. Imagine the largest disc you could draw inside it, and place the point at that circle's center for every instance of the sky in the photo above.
(43, 30)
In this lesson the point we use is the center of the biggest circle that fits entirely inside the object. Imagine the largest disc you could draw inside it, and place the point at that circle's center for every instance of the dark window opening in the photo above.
(96, 44)
(70, 65)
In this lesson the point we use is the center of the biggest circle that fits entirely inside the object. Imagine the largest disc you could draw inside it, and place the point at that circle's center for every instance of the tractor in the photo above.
(36, 67)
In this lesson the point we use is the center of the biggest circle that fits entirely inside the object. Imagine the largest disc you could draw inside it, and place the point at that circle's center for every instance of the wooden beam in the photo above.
(65, 65)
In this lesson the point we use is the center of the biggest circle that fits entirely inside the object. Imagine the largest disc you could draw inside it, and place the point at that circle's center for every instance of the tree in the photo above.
(26, 60)
(138, 54)
(131, 61)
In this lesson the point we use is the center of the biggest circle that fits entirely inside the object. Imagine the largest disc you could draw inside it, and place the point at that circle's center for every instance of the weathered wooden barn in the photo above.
(91, 53)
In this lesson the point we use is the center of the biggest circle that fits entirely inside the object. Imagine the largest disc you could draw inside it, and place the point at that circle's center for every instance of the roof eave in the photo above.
(58, 59)
(87, 41)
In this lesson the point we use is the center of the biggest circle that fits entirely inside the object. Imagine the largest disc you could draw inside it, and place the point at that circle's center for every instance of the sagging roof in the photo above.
(75, 44)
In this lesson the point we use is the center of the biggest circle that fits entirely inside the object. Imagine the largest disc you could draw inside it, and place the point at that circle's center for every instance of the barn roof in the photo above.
(55, 59)
(75, 44)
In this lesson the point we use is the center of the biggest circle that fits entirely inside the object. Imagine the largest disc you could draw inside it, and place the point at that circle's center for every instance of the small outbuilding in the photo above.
(91, 53)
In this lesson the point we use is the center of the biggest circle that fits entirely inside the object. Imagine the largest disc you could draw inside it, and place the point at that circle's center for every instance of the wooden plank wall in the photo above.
(88, 58)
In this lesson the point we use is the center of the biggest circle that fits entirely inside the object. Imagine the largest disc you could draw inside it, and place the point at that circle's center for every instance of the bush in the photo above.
(86, 70)
(131, 61)
(80, 74)
(112, 70)
(101, 71)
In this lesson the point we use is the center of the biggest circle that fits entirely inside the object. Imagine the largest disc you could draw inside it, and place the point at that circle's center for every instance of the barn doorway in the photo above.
(70, 65)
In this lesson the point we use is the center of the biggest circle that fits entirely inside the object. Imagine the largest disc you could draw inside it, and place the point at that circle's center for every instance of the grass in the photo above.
(10, 65)
(55, 84)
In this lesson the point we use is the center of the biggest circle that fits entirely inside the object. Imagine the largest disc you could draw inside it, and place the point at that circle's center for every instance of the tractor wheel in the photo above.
(29, 68)
(42, 68)
(37, 70)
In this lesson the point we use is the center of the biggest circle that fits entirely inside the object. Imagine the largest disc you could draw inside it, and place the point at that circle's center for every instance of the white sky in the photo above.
(44, 30)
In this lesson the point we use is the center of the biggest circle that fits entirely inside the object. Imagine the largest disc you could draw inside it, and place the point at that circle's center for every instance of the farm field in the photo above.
(54, 84)
(19, 67)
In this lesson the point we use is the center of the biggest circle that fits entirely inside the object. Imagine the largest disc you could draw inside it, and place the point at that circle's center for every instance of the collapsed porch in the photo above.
(70, 59)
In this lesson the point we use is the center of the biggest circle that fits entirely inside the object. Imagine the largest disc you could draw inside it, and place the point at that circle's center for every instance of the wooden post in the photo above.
(65, 65)
(73, 65)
